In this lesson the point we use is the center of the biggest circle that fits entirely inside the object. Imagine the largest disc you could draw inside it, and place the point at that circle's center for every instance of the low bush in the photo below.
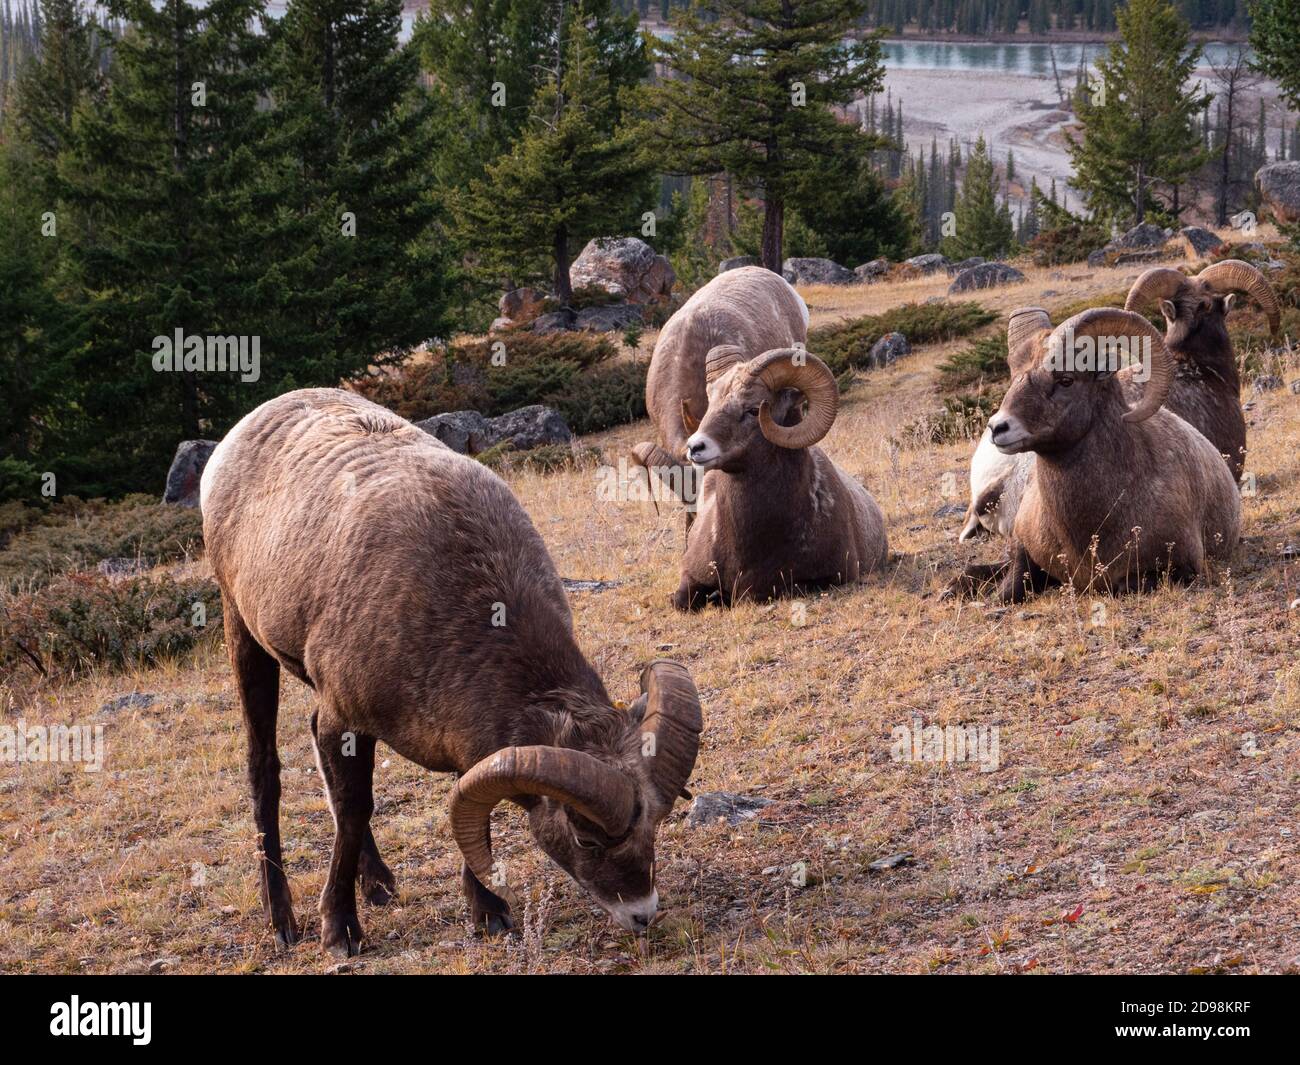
(478, 375)
(963, 418)
(984, 360)
(38, 543)
(608, 395)
(85, 620)
(847, 344)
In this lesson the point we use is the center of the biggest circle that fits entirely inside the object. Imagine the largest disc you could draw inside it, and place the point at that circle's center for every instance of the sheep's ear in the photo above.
(1168, 309)
(1229, 301)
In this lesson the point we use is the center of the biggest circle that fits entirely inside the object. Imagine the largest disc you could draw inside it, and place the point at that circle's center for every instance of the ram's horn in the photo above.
(595, 790)
(797, 369)
(670, 729)
(1111, 323)
(1234, 275)
(1152, 286)
(720, 359)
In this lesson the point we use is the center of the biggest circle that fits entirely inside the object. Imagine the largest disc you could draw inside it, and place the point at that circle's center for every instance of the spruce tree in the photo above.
(983, 227)
(752, 90)
(1275, 36)
(578, 171)
(1142, 130)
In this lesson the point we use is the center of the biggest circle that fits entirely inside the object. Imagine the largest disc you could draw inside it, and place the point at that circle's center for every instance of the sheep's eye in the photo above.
(752, 412)
(587, 844)
(1065, 382)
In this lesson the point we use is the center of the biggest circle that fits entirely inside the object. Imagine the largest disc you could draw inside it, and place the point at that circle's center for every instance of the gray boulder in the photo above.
(985, 275)
(927, 264)
(465, 431)
(889, 349)
(1137, 258)
(956, 268)
(736, 262)
(726, 806)
(1200, 241)
(1279, 185)
(1268, 383)
(626, 267)
(555, 322)
(611, 318)
(521, 304)
(872, 271)
(1145, 235)
(809, 271)
(186, 469)
(530, 427)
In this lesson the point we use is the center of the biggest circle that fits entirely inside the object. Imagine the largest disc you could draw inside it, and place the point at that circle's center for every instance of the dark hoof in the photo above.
(341, 936)
(494, 924)
(286, 935)
(280, 913)
(378, 885)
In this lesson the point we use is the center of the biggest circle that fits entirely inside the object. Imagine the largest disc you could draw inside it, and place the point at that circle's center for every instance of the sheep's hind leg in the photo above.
(376, 880)
(347, 763)
(257, 676)
(973, 578)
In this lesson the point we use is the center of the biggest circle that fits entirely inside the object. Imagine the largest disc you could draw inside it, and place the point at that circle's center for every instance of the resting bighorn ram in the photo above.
(1117, 494)
(406, 586)
(752, 309)
(1205, 391)
(726, 390)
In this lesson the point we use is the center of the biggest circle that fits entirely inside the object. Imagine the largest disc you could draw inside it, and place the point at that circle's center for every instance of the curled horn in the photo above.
(597, 791)
(778, 369)
(720, 359)
(1152, 286)
(1024, 323)
(673, 719)
(689, 422)
(1110, 322)
(1233, 275)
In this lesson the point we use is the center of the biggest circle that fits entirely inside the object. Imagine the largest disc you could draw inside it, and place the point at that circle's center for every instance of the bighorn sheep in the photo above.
(750, 308)
(1117, 493)
(775, 513)
(1205, 392)
(406, 586)
(1207, 388)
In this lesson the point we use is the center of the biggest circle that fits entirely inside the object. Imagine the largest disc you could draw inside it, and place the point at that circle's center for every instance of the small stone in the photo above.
(1268, 383)
(159, 965)
(891, 862)
(950, 510)
(134, 701)
(572, 584)
(888, 350)
(712, 806)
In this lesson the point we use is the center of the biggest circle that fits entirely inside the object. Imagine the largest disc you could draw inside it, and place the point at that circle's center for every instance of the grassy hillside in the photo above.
(1143, 817)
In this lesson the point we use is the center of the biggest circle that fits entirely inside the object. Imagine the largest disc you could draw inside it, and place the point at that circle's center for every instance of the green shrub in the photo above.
(963, 418)
(1065, 237)
(85, 620)
(847, 344)
(465, 377)
(984, 360)
(609, 395)
(74, 535)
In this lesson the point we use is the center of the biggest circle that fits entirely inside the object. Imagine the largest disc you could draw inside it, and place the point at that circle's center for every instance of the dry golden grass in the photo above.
(1143, 818)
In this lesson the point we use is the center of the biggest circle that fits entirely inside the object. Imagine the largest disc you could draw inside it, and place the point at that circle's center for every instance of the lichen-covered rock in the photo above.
(811, 271)
(1200, 241)
(610, 318)
(736, 262)
(956, 268)
(186, 470)
(530, 427)
(555, 322)
(927, 264)
(521, 304)
(465, 431)
(985, 275)
(889, 349)
(872, 271)
(1279, 185)
(626, 267)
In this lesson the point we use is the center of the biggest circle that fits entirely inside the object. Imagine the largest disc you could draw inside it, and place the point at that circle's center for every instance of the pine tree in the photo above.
(162, 182)
(1275, 36)
(983, 227)
(359, 274)
(577, 172)
(753, 87)
(1142, 131)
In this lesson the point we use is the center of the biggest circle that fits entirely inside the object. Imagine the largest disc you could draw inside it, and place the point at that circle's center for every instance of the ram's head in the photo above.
(596, 812)
(784, 398)
(1190, 304)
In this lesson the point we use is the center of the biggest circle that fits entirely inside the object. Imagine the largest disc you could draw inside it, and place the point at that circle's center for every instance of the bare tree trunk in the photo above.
(773, 233)
(563, 286)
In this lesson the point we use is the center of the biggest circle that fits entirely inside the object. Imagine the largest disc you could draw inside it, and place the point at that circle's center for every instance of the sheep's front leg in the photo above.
(973, 578)
(1023, 577)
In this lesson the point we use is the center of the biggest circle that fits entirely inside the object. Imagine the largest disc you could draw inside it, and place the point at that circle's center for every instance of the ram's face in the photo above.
(1046, 410)
(729, 432)
(618, 873)
(1193, 309)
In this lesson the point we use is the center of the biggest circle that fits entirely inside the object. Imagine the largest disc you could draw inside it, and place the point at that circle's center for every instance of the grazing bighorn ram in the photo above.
(406, 586)
(750, 308)
(1117, 494)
